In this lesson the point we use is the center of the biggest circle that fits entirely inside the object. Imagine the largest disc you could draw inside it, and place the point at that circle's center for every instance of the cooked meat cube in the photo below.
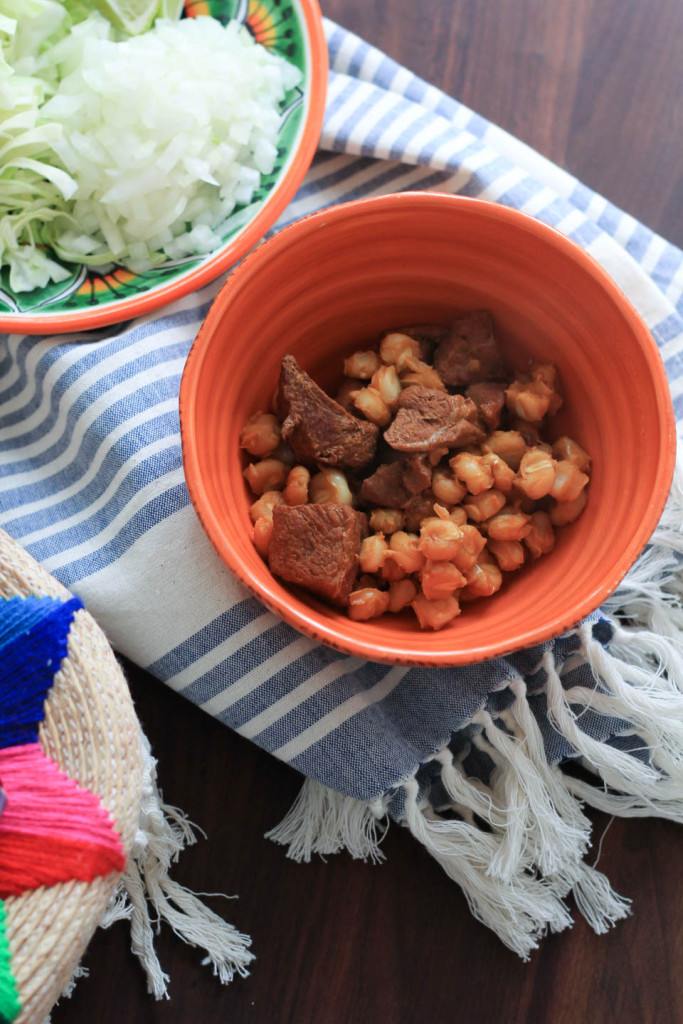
(318, 547)
(427, 419)
(469, 352)
(417, 473)
(489, 399)
(428, 335)
(418, 508)
(316, 427)
(385, 487)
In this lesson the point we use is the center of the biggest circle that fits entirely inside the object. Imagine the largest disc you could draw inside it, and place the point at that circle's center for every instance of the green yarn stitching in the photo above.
(9, 997)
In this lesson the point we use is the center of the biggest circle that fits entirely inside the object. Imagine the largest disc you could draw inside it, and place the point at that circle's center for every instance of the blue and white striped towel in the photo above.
(91, 483)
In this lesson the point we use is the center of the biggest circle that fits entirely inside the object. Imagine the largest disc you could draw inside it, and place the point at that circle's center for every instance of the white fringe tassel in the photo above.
(324, 822)
(526, 787)
(162, 835)
(517, 849)
(517, 870)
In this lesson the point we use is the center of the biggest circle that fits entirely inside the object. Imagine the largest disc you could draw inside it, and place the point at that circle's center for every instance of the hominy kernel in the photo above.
(536, 475)
(370, 402)
(483, 579)
(368, 603)
(404, 549)
(480, 507)
(473, 471)
(330, 485)
(569, 481)
(567, 450)
(508, 525)
(386, 520)
(472, 543)
(401, 594)
(440, 579)
(440, 539)
(446, 488)
(540, 539)
(261, 434)
(362, 365)
(509, 445)
(435, 614)
(457, 515)
(387, 383)
(528, 400)
(296, 488)
(509, 554)
(396, 348)
(266, 475)
(546, 373)
(265, 505)
(263, 529)
(417, 372)
(503, 475)
(566, 512)
(373, 551)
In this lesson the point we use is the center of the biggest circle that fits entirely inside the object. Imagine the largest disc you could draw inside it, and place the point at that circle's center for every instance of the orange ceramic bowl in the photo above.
(330, 284)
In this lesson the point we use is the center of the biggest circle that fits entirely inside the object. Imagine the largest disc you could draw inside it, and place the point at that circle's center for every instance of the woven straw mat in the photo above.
(91, 730)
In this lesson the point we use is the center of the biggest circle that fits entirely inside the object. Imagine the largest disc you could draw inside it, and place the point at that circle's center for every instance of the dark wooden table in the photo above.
(596, 85)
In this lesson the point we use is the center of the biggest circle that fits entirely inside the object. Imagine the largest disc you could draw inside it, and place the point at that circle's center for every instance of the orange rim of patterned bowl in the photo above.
(232, 252)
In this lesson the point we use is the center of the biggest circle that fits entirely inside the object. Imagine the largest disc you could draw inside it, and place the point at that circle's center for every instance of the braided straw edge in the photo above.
(91, 730)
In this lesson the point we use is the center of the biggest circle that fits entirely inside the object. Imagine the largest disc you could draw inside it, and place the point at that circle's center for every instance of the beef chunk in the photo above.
(418, 508)
(385, 487)
(417, 473)
(393, 484)
(469, 352)
(318, 547)
(316, 427)
(489, 398)
(428, 419)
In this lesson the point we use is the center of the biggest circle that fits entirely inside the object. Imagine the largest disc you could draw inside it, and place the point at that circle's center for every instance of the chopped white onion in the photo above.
(152, 141)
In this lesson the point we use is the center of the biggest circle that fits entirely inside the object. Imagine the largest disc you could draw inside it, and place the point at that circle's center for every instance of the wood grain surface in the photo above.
(595, 85)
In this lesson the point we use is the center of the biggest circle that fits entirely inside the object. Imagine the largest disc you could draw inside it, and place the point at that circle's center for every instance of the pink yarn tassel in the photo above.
(51, 830)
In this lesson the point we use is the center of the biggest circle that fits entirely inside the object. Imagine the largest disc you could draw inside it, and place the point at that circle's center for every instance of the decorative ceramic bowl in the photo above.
(329, 285)
(88, 299)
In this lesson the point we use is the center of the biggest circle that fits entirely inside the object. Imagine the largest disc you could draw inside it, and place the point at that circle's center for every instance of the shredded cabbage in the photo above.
(127, 150)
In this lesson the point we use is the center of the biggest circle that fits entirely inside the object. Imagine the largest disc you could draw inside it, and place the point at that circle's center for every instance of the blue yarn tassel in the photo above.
(33, 642)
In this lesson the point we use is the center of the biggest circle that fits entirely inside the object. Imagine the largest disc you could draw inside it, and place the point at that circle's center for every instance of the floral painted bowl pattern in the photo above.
(88, 298)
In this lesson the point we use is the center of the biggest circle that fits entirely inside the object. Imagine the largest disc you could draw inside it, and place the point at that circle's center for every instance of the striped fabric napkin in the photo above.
(91, 483)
